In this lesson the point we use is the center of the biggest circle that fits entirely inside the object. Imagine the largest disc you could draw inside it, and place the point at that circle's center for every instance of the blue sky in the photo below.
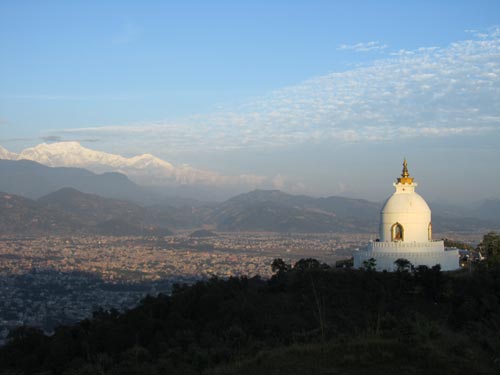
(316, 95)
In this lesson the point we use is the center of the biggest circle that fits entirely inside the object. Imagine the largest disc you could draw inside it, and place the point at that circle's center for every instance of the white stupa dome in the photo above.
(406, 216)
(407, 203)
(406, 233)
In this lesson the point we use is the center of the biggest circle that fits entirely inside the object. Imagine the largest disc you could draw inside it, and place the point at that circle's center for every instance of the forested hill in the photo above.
(309, 319)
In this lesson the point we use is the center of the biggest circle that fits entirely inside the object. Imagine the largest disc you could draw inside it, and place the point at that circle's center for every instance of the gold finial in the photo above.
(405, 169)
(405, 175)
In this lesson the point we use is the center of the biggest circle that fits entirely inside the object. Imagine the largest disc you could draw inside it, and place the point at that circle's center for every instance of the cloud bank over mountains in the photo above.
(428, 92)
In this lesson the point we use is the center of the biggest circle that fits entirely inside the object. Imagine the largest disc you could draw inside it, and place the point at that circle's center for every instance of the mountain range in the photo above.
(38, 198)
(34, 180)
(145, 169)
(262, 210)
(68, 211)
(19, 215)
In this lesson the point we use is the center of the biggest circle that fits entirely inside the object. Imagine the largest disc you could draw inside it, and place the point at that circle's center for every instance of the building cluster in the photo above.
(47, 281)
(326, 247)
(48, 298)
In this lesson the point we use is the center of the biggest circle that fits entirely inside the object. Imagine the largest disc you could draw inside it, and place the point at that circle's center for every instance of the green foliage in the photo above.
(370, 264)
(307, 319)
(309, 264)
(457, 244)
(345, 263)
(280, 266)
(369, 355)
(490, 248)
(403, 265)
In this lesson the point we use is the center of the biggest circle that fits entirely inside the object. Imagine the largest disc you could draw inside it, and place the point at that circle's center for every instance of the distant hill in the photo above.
(259, 210)
(119, 227)
(488, 209)
(182, 217)
(92, 208)
(274, 210)
(19, 215)
(33, 180)
(462, 224)
(103, 215)
(69, 211)
(480, 216)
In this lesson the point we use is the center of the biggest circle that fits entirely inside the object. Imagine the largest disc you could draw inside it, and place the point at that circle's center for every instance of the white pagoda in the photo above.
(406, 232)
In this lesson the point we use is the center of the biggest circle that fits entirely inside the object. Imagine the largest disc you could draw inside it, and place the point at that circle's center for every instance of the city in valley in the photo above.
(46, 281)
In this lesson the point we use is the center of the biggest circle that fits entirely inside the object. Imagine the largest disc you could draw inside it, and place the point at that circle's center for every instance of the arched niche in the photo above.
(397, 232)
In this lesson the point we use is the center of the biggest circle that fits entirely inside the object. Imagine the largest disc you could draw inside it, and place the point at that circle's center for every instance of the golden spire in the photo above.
(405, 169)
(405, 175)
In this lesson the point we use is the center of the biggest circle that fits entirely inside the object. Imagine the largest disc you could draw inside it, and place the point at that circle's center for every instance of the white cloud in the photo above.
(363, 47)
(428, 92)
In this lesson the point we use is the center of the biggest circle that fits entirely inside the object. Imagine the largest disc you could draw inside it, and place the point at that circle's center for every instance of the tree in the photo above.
(370, 264)
(457, 244)
(26, 349)
(403, 265)
(431, 280)
(490, 248)
(280, 266)
(345, 263)
(308, 264)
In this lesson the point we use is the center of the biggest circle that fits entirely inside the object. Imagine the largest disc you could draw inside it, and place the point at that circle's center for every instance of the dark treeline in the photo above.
(309, 318)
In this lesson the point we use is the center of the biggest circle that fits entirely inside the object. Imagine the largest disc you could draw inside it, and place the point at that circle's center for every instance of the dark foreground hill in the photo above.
(311, 319)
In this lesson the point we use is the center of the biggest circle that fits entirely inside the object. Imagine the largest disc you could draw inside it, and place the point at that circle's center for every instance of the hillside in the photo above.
(19, 215)
(33, 180)
(310, 319)
(274, 210)
(258, 210)
(92, 208)
(488, 209)
(68, 211)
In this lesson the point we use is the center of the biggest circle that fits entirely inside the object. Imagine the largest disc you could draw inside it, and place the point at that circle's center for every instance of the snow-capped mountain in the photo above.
(73, 154)
(7, 155)
(145, 169)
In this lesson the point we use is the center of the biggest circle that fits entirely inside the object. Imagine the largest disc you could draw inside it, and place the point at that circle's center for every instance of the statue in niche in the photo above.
(397, 232)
